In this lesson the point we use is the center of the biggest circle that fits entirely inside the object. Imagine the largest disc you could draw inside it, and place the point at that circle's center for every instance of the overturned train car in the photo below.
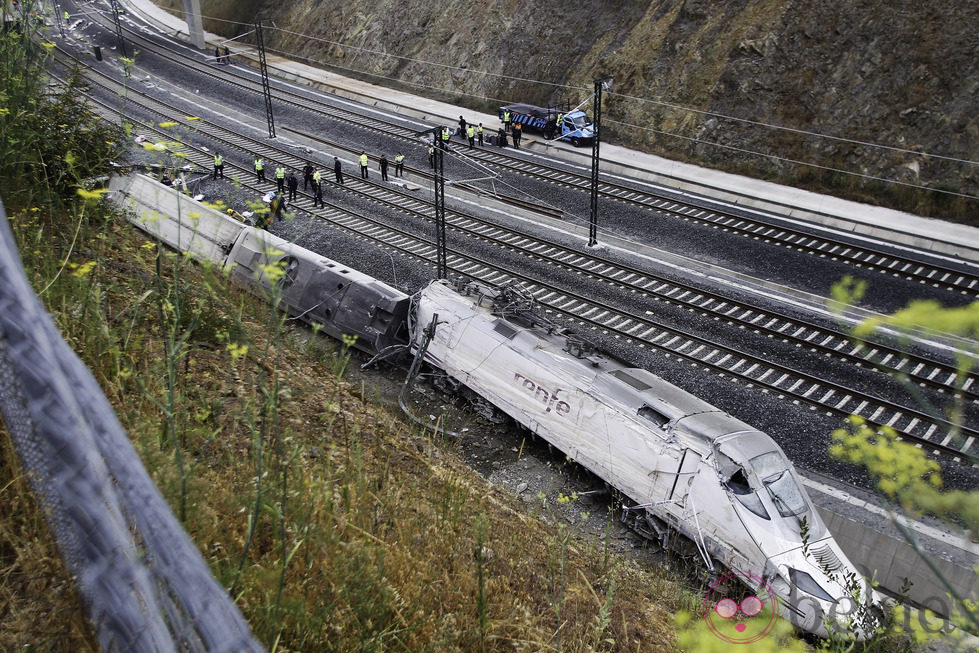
(688, 468)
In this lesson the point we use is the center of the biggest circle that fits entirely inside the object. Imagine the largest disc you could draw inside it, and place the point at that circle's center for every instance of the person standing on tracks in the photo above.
(259, 169)
(517, 133)
(337, 170)
(462, 127)
(318, 195)
(506, 120)
(307, 175)
(399, 165)
(479, 134)
(293, 185)
(471, 135)
(431, 157)
(383, 165)
(227, 55)
(316, 180)
(501, 138)
(446, 135)
(280, 179)
(363, 164)
(218, 165)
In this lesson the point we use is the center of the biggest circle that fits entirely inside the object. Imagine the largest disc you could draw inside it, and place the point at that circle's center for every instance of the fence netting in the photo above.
(144, 584)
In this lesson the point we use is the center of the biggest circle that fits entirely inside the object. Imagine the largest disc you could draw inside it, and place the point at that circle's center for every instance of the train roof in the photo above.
(638, 391)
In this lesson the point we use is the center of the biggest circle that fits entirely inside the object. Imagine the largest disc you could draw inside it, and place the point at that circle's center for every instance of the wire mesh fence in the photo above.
(144, 584)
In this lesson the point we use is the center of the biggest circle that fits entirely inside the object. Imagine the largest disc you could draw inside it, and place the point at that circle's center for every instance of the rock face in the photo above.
(688, 74)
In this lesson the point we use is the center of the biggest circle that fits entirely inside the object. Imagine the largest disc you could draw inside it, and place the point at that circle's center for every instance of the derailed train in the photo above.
(690, 474)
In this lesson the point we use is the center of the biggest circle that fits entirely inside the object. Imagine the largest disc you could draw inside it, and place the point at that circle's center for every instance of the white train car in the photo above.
(689, 467)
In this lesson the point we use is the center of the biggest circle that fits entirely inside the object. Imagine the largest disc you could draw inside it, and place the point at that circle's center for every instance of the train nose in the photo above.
(825, 601)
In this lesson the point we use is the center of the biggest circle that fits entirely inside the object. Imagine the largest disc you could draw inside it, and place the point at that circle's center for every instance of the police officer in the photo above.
(471, 135)
(506, 121)
(293, 184)
(316, 180)
(307, 175)
(446, 135)
(363, 165)
(383, 165)
(317, 194)
(399, 165)
(479, 134)
(259, 169)
(337, 170)
(218, 166)
(280, 179)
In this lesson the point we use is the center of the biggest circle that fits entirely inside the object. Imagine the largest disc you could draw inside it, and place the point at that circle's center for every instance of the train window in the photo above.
(629, 380)
(290, 272)
(774, 472)
(504, 329)
(752, 502)
(654, 416)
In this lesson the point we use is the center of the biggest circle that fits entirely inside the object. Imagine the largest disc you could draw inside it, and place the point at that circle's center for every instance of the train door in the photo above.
(687, 470)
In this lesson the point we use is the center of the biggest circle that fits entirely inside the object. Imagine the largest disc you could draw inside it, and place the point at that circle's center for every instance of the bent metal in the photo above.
(546, 397)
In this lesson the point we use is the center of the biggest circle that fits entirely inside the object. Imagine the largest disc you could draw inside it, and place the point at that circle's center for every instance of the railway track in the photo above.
(962, 278)
(790, 383)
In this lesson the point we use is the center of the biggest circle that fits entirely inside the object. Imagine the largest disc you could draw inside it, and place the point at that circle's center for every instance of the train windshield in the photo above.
(772, 470)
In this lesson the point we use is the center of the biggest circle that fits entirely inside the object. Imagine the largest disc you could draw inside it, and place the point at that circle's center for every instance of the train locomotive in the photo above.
(689, 474)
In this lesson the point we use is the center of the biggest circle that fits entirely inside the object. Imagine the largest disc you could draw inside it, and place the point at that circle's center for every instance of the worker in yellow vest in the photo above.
(431, 157)
(471, 135)
(218, 166)
(446, 135)
(363, 165)
(479, 134)
(280, 179)
(259, 169)
(399, 165)
(506, 121)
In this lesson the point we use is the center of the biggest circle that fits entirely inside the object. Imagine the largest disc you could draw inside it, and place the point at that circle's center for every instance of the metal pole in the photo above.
(441, 271)
(266, 89)
(61, 22)
(115, 17)
(593, 215)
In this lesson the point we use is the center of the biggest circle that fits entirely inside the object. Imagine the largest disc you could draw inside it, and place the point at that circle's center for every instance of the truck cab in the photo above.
(576, 127)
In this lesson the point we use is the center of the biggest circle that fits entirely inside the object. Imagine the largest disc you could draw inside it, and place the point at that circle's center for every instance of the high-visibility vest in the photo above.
(280, 173)
(479, 130)
(399, 158)
(506, 116)
(560, 119)
(431, 150)
(470, 132)
(363, 160)
(218, 159)
(258, 164)
(446, 134)
(317, 176)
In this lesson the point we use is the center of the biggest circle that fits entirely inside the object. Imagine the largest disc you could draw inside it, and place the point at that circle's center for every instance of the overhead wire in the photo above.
(757, 123)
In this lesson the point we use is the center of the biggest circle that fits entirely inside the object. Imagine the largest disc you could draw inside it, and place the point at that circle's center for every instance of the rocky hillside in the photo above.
(901, 73)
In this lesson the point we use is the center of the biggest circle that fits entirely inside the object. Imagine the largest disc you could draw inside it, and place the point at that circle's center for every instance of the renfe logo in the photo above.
(547, 398)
